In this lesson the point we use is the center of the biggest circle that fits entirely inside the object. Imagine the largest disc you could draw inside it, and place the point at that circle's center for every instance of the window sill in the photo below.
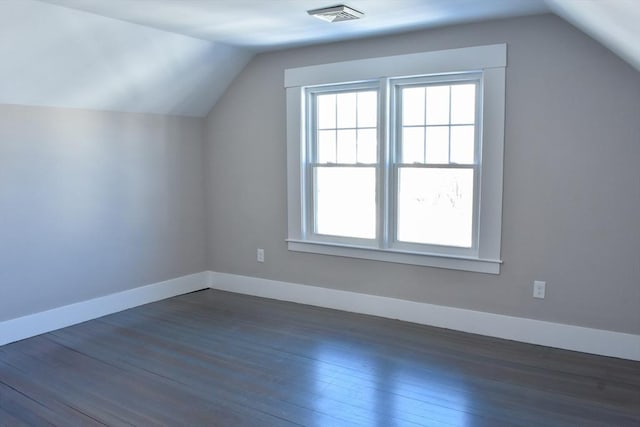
(451, 262)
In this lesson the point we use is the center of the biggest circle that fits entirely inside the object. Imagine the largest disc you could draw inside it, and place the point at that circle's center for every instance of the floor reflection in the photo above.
(428, 401)
(355, 387)
(346, 383)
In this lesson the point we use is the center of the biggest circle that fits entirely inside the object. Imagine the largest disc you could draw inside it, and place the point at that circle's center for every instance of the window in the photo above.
(343, 137)
(435, 162)
(406, 167)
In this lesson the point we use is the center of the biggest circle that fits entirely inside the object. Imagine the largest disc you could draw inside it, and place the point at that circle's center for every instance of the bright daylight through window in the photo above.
(345, 142)
(436, 171)
(403, 168)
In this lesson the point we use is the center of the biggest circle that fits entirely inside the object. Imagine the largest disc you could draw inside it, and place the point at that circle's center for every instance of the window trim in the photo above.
(490, 61)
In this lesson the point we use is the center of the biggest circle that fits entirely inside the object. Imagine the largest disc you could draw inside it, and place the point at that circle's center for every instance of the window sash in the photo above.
(395, 243)
(312, 205)
(311, 94)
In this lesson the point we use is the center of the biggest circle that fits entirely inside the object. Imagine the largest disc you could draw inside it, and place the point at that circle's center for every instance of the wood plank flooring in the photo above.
(214, 358)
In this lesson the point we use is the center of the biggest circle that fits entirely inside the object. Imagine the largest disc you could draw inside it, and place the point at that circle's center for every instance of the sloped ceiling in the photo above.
(179, 56)
(275, 24)
(614, 23)
(54, 56)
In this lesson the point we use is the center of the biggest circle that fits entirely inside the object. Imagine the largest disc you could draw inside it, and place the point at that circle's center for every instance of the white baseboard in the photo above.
(50, 320)
(568, 337)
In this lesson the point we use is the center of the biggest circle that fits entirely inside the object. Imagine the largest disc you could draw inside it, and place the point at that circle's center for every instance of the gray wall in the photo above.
(572, 181)
(93, 203)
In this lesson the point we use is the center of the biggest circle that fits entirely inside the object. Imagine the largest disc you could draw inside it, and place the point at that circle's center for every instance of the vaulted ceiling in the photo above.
(274, 24)
(55, 56)
(178, 56)
(615, 23)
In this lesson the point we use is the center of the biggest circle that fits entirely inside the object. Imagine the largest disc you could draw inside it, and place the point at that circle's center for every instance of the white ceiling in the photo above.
(178, 56)
(615, 23)
(270, 24)
(58, 57)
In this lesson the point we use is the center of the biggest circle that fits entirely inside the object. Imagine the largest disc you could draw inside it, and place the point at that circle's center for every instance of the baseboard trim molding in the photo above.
(46, 321)
(568, 337)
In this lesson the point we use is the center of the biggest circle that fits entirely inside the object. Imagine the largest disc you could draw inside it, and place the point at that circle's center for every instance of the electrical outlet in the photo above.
(260, 255)
(539, 289)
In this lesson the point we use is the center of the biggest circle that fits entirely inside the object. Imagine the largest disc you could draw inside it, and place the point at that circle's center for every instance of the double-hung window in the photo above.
(399, 158)
(435, 164)
(343, 165)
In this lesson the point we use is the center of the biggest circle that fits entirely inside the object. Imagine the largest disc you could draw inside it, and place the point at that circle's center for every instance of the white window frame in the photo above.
(395, 86)
(308, 233)
(486, 62)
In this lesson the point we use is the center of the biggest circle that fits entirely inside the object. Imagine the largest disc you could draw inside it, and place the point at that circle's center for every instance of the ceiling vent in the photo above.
(336, 13)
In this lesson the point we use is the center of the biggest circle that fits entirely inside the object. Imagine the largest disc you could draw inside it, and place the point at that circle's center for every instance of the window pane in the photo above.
(438, 105)
(435, 206)
(413, 145)
(367, 146)
(438, 144)
(345, 201)
(326, 111)
(327, 146)
(346, 146)
(462, 142)
(367, 109)
(346, 110)
(463, 104)
(413, 106)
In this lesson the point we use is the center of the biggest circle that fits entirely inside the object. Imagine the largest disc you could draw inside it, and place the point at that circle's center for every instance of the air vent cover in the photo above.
(336, 13)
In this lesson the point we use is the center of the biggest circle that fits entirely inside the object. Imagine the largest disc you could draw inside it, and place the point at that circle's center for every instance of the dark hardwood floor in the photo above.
(215, 358)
